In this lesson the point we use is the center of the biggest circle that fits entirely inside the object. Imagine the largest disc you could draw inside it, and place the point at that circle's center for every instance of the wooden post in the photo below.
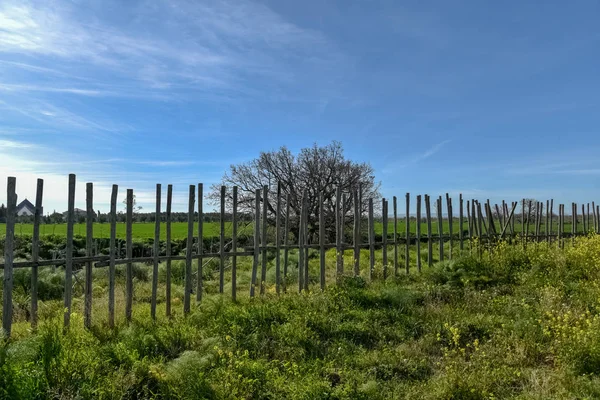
(395, 207)
(575, 220)
(551, 218)
(301, 244)
(321, 242)
(305, 233)
(407, 247)
(523, 222)
(429, 231)
(371, 240)
(480, 226)
(384, 237)
(469, 222)
(357, 232)
(69, 251)
(342, 228)
(504, 215)
(189, 250)
(450, 229)
(9, 243)
(89, 246)
(595, 217)
(588, 218)
(338, 233)
(286, 230)
(418, 233)
(263, 271)
(234, 234)
(35, 251)
(112, 255)
(440, 227)
(156, 250)
(583, 219)
(449, 211)
(527, 226)
(199, 278)
(560, 224)
(129, 255)
(168, 248)
(222, 241)
(460, 221)
(256, 241)
(278, 241)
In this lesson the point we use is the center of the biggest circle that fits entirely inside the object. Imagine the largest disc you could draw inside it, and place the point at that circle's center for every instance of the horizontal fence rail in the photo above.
(273, 222)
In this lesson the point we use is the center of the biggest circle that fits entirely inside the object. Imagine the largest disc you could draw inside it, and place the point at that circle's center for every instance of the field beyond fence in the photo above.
(239, 253)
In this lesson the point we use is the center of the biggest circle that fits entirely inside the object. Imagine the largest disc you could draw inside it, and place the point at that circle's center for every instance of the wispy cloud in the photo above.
(394, 166)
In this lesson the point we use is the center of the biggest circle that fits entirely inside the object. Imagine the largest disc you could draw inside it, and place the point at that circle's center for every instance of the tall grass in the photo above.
(517, 323)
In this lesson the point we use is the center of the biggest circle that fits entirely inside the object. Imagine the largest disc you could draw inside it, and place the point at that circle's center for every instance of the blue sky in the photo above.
(495, 100)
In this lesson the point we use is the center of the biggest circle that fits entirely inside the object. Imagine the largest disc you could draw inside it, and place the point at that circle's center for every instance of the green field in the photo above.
(517, 323)
(211, 229)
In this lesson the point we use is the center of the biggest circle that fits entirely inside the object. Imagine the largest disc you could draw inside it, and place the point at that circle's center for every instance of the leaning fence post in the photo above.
(9, 243)
(35, 251)
(395, 206)
(69, 251)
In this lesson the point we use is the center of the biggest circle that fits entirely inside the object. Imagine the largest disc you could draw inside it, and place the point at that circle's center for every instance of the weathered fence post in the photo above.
(69, 251)
(429, 231)
(321, 242)
(89, 242)
(263, 271)
(156, 250)
(277, 240)
(129, 255)
(188, 251)
(371, 240)
(35, 252)
(221, 241)
(440, 227)
(357, 215)
(338, 233)
(407, 247)
(9, 243)
(256, 241)
(286, 230)
(234, 234)
(395, 206)
(112, 255)
(199, 278)
(384, 237)
(460, 221)
(418, 232)
(168, 248)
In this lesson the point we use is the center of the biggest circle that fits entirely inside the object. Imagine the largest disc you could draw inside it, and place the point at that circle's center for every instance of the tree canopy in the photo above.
(314, 171)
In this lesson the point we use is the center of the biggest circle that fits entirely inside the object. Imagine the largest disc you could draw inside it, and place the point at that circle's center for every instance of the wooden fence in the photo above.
(483, 222)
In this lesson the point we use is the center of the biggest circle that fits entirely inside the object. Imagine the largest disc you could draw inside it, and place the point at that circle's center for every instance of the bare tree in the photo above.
(313, 172)
(530, 207)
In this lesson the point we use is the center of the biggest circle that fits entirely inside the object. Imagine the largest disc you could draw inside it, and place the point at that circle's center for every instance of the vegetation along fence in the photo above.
(483, 225)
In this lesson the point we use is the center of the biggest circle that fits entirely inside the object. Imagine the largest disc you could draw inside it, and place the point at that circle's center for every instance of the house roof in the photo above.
(26, 204)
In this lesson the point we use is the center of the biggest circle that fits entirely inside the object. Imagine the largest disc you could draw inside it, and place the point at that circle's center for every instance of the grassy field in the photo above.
(519, 323)
(211, 229)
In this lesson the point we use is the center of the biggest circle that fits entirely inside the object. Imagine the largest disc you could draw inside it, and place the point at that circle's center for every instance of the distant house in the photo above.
(77, 212)
(26, 208)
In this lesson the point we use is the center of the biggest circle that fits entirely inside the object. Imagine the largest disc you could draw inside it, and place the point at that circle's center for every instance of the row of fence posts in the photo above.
(480, 224)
